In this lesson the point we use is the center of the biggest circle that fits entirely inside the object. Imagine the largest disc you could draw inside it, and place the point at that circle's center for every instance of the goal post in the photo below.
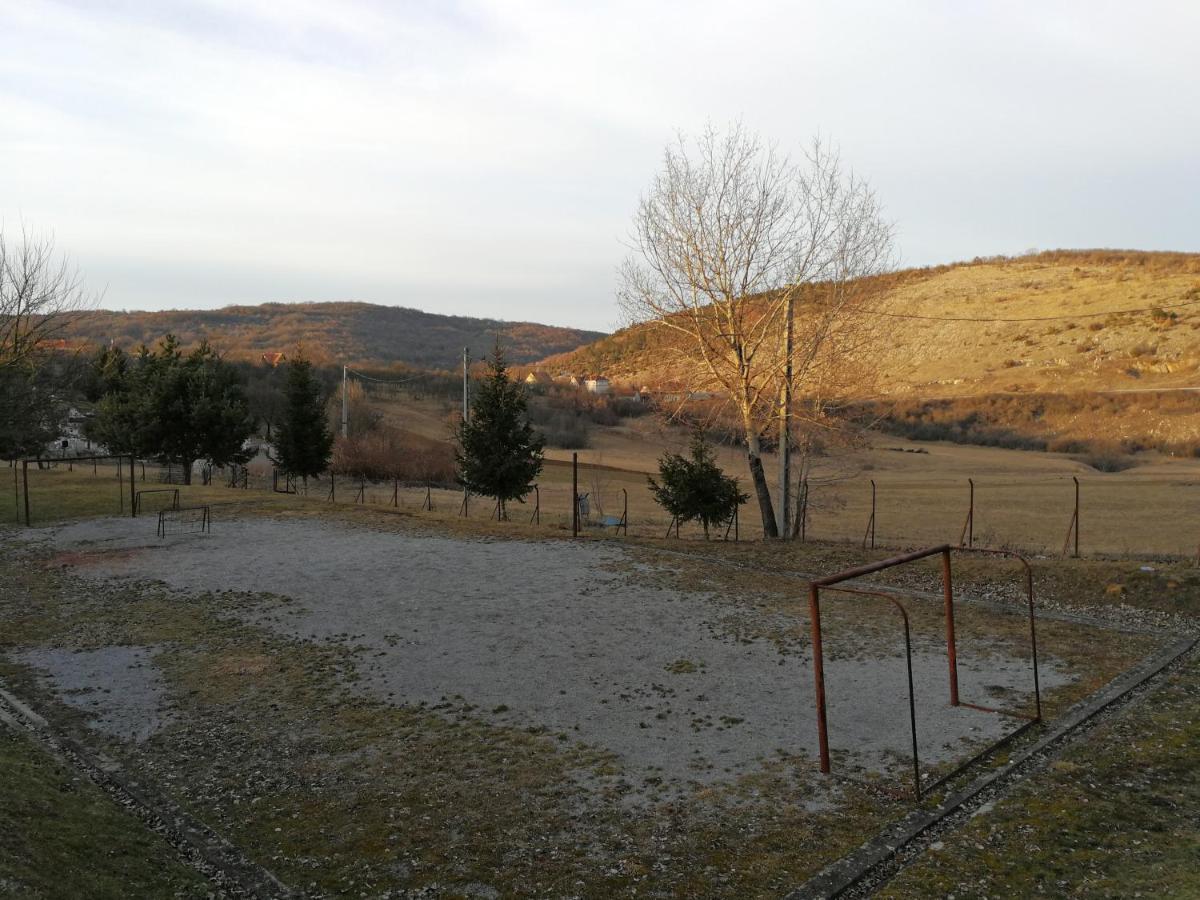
(944, 551)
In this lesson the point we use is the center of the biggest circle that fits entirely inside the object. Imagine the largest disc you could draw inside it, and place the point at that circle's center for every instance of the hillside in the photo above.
(1065, 327)
(360, 333)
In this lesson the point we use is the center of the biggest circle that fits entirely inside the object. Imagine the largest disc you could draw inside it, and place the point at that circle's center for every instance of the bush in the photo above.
(1107, 459)
(390, 453)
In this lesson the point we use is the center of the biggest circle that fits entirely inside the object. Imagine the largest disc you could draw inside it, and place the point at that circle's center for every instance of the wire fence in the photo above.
(1148, 516)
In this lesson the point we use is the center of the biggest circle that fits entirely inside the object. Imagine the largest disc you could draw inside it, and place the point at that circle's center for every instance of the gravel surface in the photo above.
(118, 687)
(570, 637)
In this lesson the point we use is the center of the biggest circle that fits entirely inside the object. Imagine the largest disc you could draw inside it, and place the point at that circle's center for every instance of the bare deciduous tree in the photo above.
(40, 290)
(760, 267)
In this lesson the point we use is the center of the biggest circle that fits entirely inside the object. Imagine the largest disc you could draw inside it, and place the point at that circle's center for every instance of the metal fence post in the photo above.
(574, 495)
(814, 615)
(951, 643)
(1076, 480)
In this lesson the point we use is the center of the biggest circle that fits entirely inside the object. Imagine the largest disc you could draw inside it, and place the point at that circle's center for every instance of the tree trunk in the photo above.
(759, 476)
(187, 471)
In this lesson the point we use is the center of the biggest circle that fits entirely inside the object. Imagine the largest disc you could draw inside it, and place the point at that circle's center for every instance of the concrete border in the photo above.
(846, 872)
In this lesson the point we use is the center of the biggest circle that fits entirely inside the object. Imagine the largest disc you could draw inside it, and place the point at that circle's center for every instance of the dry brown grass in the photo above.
(1068, 291)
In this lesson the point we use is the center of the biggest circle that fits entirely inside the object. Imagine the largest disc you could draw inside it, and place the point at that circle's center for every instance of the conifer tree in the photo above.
(303, 440)
(177, 408)
(696, 488)
(499, 454)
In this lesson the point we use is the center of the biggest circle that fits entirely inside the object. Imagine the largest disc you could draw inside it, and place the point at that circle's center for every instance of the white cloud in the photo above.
(483, 158)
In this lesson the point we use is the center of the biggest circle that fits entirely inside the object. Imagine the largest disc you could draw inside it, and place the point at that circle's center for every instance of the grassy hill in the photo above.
(361, 333)
(1064, 326)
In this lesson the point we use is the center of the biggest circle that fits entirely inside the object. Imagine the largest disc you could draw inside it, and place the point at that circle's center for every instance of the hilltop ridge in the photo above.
(357, 332)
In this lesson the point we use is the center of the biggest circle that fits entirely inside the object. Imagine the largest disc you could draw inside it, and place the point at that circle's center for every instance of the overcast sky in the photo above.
(484, 158)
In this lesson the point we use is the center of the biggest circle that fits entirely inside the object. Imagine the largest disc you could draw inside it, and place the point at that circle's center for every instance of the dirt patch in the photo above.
(78, 559)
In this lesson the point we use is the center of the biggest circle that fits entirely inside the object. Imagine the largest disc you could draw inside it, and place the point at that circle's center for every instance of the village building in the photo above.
(538, 377)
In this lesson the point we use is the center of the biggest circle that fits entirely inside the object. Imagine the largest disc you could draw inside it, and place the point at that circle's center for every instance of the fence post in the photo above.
(1076, 480)
(1073, 528)
(814, 615)
(132, 485)
(574, 495)
(967, 537)
(870, 532)
(951, 643)
(25, 484)
(971, 513)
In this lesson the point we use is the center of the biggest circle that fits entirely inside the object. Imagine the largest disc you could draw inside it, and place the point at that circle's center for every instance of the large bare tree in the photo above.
(40, 291)
(760, 266)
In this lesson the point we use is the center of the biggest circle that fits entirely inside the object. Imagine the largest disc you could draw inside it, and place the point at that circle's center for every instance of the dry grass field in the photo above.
(1024, 500)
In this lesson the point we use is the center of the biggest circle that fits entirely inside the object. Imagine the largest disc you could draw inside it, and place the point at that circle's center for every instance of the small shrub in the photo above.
(1107, 458)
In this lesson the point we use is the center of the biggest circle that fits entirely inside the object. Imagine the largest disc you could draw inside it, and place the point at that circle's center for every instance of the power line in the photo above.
(1095, 315)
(358, 374)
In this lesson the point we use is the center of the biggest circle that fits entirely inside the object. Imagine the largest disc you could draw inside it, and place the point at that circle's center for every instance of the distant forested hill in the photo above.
(360, 333)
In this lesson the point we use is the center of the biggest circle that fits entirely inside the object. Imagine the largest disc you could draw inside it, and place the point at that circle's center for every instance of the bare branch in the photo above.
(41, 292)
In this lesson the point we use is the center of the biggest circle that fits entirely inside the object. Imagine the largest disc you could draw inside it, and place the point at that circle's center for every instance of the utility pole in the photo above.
(466, 389)
(345, 407)
(785, 429)
(466, 415)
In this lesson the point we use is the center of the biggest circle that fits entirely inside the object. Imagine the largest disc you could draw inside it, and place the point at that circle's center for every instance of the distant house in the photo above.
(538, 377)
(596, 384)
(633, 395)
(273, 359)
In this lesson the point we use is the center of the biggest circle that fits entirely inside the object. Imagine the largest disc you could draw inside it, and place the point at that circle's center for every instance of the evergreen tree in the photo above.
(696, 489)
(499, 454)
(303, 440)
(176, 408)
(29, 416)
